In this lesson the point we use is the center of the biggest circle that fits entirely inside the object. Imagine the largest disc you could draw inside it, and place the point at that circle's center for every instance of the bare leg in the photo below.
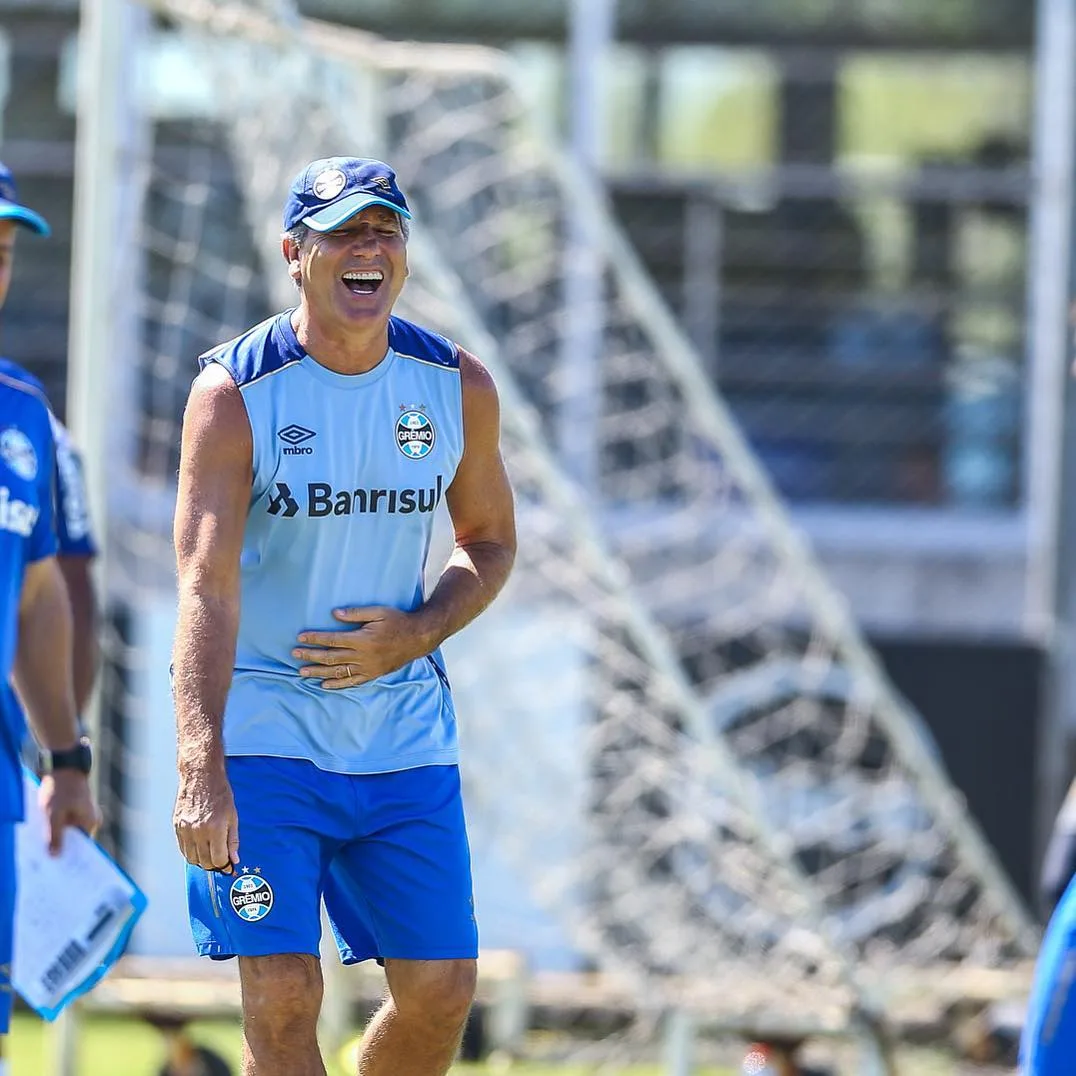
(281, 1002)
(417, 1031)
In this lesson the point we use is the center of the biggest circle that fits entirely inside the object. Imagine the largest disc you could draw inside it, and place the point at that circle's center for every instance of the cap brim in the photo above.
(332, 216)
(21, 215)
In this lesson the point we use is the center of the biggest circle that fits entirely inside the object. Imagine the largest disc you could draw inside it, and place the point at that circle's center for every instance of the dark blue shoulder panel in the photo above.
(408, 339)
(261, 350)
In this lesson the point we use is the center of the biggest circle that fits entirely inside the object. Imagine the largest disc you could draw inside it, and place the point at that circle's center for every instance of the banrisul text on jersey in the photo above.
(321, 499)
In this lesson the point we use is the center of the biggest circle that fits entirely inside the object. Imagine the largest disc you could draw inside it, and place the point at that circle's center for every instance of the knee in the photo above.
(281, 994)
(437, 992)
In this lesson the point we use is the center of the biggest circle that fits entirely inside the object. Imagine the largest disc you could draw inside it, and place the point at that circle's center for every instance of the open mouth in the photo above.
(363, 281)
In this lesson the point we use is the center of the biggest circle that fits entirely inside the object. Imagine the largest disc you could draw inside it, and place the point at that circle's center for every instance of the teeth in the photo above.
(366, 274)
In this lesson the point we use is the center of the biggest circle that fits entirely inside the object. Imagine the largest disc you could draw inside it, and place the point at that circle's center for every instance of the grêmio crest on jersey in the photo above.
(415, 433)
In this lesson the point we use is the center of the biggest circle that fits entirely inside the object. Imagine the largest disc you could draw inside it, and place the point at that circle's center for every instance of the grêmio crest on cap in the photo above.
(330, 183)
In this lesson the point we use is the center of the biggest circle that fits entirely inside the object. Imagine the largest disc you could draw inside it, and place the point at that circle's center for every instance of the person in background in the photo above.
(1059, 863)
(75, 552)
(35, 621)
(185, 1057)
(777, 1057)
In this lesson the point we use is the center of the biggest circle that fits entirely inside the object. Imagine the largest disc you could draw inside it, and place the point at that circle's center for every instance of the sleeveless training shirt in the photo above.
(348, 470)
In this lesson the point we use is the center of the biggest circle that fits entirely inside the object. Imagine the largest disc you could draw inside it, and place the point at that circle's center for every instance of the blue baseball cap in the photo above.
(10, 208)
(328, 192)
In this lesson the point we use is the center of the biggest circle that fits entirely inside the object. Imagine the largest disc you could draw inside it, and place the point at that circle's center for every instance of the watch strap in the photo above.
(79, 757)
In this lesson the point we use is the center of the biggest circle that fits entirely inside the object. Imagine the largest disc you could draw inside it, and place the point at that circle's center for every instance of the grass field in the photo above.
(113, 1046)
(119, 1047)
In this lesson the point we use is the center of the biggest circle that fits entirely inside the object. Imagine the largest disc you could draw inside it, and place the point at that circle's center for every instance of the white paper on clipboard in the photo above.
(73, 912)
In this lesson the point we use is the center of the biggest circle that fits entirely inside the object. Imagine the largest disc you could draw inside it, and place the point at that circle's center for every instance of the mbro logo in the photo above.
(294, 436)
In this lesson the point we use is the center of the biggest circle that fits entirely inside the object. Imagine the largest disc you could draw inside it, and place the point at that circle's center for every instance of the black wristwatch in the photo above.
(79, 757)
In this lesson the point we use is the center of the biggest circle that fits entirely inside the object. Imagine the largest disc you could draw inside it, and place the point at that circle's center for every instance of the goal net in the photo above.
(684, 770)
(846, 769)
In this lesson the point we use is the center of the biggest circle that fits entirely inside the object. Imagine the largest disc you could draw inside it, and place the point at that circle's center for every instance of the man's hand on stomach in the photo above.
(385, 640)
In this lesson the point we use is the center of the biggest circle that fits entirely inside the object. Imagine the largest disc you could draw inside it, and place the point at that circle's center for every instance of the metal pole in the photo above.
(703, 235)
(101, 66)
(5, 78)
(105, 66)
(679, 1043)
(590, 33)
(1048, 299)
(1050, 615)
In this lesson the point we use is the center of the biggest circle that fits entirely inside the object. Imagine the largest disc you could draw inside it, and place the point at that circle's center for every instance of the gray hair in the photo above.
(297, 235)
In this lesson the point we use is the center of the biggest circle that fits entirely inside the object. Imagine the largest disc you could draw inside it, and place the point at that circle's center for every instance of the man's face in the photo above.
(352, 276)
(8, 230)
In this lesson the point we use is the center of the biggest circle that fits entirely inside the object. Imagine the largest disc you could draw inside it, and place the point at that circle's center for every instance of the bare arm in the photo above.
(42, 673)
(42, 677)
(214, 490)
(483, 517)
(85, 649)
(483, 520)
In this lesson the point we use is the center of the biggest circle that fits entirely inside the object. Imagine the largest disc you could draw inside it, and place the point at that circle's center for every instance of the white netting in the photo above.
(847, 772)
(592, 800)
(661, 806)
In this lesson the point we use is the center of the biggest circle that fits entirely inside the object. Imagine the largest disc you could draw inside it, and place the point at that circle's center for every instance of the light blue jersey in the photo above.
(347, 473)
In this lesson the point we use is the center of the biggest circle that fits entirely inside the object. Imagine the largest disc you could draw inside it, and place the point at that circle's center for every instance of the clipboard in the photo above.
(74, 912)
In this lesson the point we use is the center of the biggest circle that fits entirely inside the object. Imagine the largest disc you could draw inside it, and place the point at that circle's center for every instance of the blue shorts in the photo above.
(388, 853)
(1048, 1045)
(7, 920)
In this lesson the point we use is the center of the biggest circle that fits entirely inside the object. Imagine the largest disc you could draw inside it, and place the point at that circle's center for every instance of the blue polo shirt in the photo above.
(74, 534)
(27, 464)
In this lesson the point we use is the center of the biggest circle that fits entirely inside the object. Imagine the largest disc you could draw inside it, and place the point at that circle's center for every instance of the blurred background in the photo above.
(857, 215)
